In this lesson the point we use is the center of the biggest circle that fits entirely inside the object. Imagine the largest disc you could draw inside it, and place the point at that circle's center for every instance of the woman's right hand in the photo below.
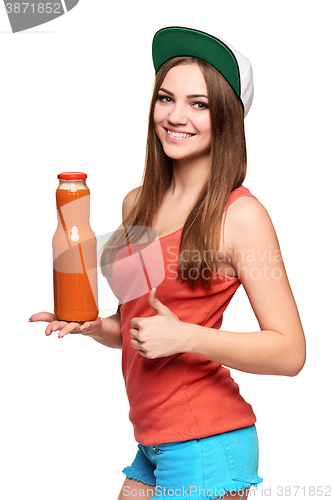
(89, 328)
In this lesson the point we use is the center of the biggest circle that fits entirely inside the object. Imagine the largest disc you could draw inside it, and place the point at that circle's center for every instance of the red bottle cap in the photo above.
(72, 175)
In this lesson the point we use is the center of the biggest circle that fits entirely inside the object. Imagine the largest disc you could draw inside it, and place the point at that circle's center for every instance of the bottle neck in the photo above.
(73, 201)
(72, 184)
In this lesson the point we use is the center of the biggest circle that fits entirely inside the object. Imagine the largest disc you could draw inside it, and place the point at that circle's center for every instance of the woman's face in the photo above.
(181, 115)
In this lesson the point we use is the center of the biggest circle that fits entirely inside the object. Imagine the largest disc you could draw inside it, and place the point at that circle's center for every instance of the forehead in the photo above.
(185, 77)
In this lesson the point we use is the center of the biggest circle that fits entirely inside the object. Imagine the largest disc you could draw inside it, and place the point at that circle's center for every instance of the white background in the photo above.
(74, 96)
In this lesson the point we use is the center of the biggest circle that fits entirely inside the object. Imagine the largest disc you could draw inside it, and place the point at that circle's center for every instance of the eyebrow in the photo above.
(189, 96)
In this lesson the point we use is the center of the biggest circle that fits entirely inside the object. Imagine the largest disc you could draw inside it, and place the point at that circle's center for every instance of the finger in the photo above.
(42, 316)
(69, 328)
(134, 333)
(157, 305)
(85, 326)
(54, 326)
(136, 344)
(135, 323)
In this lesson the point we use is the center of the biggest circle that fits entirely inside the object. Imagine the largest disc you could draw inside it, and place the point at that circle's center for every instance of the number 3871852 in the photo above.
(33, 8)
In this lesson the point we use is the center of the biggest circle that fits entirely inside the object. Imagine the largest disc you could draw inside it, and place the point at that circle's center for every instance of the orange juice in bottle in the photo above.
(74, 252)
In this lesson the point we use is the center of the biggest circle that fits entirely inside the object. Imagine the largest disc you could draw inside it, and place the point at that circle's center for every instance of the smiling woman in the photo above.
(192, 194)
(196, 433)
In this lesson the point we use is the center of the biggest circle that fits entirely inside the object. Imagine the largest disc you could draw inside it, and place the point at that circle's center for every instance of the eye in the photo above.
(200, 105)
(164, 98)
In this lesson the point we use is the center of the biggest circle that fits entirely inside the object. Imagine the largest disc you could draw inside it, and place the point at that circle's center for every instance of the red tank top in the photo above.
(183, 396)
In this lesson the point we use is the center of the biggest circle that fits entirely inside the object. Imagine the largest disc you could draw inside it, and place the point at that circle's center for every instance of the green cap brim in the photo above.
(175, 41)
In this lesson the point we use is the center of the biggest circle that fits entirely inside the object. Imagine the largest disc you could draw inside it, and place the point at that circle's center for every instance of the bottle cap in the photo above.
(72, 175)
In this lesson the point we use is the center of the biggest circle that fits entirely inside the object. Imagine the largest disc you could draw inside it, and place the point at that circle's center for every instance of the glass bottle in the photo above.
(74, 252)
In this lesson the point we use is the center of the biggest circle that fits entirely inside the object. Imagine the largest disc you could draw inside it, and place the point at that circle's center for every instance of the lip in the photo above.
(177, 139)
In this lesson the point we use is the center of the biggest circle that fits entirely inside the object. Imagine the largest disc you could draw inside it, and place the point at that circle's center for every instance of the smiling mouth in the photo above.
(180, 135)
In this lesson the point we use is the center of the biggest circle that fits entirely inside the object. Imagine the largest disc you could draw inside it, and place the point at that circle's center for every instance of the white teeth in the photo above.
(178, 134)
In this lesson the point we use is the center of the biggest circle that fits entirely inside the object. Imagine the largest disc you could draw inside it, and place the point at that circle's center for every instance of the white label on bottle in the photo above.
(75, 234)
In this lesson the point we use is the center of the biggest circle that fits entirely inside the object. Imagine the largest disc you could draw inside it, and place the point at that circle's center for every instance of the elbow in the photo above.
(295, 369)
(296, 363)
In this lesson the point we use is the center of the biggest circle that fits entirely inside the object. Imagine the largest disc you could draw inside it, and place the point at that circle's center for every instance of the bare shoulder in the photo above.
(246, 210)
(129, 201)
(248, 220)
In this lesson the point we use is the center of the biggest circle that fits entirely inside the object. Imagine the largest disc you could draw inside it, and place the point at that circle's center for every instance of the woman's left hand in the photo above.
(160, 335)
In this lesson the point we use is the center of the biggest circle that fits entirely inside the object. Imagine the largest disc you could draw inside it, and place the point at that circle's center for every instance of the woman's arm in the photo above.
(279, 347)
(265, 352)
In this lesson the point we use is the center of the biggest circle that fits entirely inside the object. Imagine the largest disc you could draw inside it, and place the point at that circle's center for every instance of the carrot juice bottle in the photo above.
(74, 252)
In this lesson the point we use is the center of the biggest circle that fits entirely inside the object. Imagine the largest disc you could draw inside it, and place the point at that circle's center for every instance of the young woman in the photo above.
(191, 234)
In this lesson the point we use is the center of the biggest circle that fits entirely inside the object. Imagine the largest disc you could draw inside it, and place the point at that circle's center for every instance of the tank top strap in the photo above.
(238, 193)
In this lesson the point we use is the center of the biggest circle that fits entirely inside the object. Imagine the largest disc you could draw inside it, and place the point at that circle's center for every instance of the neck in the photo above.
(189, 175)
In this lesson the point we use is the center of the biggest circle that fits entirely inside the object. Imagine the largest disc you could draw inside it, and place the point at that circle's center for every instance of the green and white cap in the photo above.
(235, 67)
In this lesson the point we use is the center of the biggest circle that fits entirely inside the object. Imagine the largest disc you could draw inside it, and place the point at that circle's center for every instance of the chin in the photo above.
(183, 155)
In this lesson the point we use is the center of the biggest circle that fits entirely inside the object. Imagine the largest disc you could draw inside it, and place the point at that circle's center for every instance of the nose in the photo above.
(178, 115)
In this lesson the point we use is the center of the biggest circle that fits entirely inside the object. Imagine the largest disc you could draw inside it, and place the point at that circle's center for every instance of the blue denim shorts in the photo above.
(199, 469)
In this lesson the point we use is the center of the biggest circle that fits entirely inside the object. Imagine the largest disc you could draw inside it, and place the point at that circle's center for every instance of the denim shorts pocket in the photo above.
(177, 445)
(242, 451)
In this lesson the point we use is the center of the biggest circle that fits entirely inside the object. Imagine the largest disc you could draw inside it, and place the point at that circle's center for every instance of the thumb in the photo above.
(153, 301)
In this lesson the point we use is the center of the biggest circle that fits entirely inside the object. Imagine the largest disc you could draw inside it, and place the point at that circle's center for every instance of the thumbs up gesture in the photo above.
(160, 335)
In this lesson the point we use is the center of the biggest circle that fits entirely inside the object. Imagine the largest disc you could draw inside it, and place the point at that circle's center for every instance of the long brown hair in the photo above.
(202, 230)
